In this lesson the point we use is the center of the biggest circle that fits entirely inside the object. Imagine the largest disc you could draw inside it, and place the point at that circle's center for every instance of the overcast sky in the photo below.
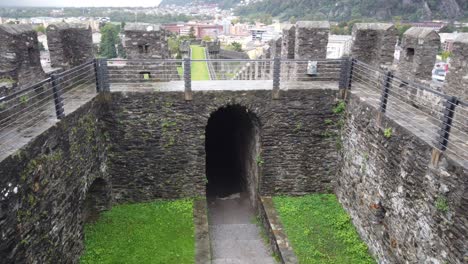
(79, 3)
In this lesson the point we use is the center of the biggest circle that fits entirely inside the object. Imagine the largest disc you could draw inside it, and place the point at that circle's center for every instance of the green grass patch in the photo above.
(156, 232)
(320, 231)
(180, 71)
(199, 69)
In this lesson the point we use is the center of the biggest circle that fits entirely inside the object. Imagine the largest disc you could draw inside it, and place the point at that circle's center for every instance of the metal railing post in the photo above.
(446, 123)
(188, 80)
(385, 90)
(276, 77)
(102, 75)
(58, 100)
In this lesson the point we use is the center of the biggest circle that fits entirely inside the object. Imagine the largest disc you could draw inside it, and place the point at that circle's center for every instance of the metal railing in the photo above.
(30, 110)
(439, 119)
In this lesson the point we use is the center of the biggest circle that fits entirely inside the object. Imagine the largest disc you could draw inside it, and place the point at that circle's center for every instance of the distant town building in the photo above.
(437, 26)
(339, 46)
(447, 40)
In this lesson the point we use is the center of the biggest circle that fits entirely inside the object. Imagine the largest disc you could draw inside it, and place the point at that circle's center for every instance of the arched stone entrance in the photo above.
(98, 199)
(232, 152)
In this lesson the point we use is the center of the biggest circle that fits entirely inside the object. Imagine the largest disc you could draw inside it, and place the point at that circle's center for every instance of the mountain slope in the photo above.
(342, 10)
(355, 9)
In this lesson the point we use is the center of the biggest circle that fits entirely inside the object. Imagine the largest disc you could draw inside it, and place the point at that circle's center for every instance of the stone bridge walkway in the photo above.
(418, 122)
(38, 118)
(235, 236)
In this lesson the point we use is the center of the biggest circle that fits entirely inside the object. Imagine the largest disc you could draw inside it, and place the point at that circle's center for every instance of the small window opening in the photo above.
(410, 54)
(140, 48)
(145, 75)
(146, 48)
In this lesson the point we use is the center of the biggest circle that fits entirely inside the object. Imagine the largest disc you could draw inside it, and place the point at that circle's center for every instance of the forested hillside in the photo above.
(343, 10)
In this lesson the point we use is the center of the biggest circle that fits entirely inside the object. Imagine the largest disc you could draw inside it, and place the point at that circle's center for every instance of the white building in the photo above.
(339, 46)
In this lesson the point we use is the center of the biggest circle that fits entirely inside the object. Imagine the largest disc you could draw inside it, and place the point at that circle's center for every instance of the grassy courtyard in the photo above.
(199, 69)
(320, 231)
(156, 232)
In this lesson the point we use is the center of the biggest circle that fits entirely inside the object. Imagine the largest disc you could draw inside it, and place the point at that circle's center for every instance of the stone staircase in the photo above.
(235, 237)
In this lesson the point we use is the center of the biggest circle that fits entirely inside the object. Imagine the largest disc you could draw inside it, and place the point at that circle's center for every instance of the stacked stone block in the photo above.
(419, 51)
(275, 50)
(145, 41)
(374, 43)
(310, 44)
(20, 63)
(70, 45)
(288, 42)
(457, 81)
(184, 49)
(275, 47)
(457, 77)
(287, 50)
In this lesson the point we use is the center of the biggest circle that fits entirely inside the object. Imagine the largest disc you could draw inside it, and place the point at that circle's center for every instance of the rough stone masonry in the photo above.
(406, 209)
(70, 45)
(457, 77)
(20, 63)
(374, 43)
(420, 47)
(145, 41)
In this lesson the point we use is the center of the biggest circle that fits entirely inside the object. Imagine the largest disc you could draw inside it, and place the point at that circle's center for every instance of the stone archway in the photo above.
(98, 199)
(232, 144)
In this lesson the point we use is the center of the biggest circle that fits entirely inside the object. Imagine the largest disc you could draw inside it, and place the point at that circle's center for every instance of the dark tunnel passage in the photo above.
(232, 137)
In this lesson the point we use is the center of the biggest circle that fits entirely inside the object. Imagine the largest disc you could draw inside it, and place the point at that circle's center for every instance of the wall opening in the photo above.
(145, 75)
(410, 54)
(232, 149)
(97, 200)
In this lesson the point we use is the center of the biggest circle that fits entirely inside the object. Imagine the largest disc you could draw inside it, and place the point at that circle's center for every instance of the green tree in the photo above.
(236, 46)
(293, 20)
(447, 29)
(109, 40)
(192, 33)
(402, 29)
(207, 38)
(40, 28)
(445, 55)
(266, 19)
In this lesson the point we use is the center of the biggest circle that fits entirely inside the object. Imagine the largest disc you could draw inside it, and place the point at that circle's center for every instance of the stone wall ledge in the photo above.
(202, 234)
(279, 242)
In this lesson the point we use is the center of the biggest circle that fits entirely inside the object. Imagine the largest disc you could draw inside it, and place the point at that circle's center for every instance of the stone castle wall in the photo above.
(70, 45)
(158, 149)
(20, 63)
(43, 187)
(145, 41)
(406, 210)
(420, 47)
(457, 77)
(374, 43)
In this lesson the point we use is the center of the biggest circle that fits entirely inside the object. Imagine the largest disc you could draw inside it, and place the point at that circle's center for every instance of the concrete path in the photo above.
(235, 237)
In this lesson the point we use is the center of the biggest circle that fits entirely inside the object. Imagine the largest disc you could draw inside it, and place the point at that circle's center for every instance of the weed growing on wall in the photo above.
(442, 204)
(388, 132)
(340, 107)
(259, 160)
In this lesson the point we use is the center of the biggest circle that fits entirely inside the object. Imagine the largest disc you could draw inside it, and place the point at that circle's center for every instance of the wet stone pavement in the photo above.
(235, 236)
